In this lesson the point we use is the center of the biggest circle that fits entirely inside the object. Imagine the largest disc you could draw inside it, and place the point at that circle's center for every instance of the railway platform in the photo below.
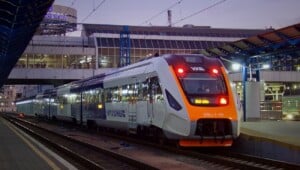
(278, 140)
(19, 151)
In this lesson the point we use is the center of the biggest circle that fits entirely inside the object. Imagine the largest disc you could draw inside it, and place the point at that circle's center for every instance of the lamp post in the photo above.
(251, 97)
(244, 80)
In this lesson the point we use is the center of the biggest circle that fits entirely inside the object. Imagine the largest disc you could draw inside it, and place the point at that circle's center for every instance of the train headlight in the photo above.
(223, 101)
(180, 70)
(215, 71)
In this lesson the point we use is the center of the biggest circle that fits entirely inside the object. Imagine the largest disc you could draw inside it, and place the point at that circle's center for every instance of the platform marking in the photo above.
(19, 133)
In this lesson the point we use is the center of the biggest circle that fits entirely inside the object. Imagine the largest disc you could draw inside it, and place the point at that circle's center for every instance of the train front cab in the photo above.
(210, 104)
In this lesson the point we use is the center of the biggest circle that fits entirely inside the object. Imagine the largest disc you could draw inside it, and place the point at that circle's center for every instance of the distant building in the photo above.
(8, 96)
(58, 21)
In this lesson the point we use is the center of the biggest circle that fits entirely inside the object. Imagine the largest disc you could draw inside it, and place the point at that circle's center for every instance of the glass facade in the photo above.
(58, 61)
(103, 45)
(108, 50)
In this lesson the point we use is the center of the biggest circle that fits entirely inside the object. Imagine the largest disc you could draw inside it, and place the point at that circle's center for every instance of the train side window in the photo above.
(149, 90)
(132, 92)
(155, 90)
(116, 94)
(101, 96)
(62, 100)
(92, 96)
(143, 90)
(125, 93)
(108, 95)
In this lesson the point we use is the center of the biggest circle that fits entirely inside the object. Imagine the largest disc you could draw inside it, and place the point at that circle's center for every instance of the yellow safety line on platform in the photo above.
(39, 153)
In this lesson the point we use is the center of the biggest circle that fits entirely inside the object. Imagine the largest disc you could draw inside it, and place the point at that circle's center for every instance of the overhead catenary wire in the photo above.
(163, 11)
(198, 12)
(95, 9)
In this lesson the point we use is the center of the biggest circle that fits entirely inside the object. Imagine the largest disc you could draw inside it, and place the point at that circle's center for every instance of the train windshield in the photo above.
(203, 84)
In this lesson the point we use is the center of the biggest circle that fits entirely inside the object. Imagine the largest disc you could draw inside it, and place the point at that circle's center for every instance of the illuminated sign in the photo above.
(56, 16)
(197, 68)
(116, 113)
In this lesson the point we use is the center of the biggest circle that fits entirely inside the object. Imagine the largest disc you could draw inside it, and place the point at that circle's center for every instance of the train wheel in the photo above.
(161, 141)
(139, 131)
(161, 138)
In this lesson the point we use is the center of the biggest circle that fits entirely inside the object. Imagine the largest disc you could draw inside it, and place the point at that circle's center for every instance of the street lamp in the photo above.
(236, 66)
(265, 66)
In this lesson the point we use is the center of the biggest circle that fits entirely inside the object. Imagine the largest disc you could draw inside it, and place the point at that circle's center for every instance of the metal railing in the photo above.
(271, 110)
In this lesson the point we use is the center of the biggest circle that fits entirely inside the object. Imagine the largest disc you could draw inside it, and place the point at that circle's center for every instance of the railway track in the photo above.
(209, 158)
(82, 154)
(241, 161)
(225, 157)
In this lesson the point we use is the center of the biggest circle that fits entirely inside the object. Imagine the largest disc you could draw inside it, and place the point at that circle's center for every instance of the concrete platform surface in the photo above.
(285, 132)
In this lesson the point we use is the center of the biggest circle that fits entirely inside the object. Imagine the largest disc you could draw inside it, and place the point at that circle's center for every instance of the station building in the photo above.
(98, 46)
(8, 94)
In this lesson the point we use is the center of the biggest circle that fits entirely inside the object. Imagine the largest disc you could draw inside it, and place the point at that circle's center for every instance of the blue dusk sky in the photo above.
(259, 14)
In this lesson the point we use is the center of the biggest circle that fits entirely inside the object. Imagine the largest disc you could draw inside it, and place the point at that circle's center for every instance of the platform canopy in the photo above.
(260, 47)
(19, 20)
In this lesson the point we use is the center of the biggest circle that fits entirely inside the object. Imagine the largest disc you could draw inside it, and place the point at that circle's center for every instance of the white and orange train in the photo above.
(184, 98)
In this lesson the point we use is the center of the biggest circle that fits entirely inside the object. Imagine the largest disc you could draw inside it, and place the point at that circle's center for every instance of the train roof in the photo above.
(171, 59)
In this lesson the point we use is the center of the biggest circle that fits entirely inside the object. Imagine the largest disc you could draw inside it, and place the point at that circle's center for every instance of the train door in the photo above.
(150, 105)
(156, 105)
(150, 99)
(143, 105)
(132, 91)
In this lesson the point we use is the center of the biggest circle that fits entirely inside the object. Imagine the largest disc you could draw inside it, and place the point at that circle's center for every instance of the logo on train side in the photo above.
(116, 113)
(197, 68)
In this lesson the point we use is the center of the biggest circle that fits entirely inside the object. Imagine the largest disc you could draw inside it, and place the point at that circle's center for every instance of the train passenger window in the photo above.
(62, 100)
(107, 95)
(101, 96)
(155, 90)
(128, 92)
(149, 90)
(133, 92)
(143, 90)
(116, 94)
